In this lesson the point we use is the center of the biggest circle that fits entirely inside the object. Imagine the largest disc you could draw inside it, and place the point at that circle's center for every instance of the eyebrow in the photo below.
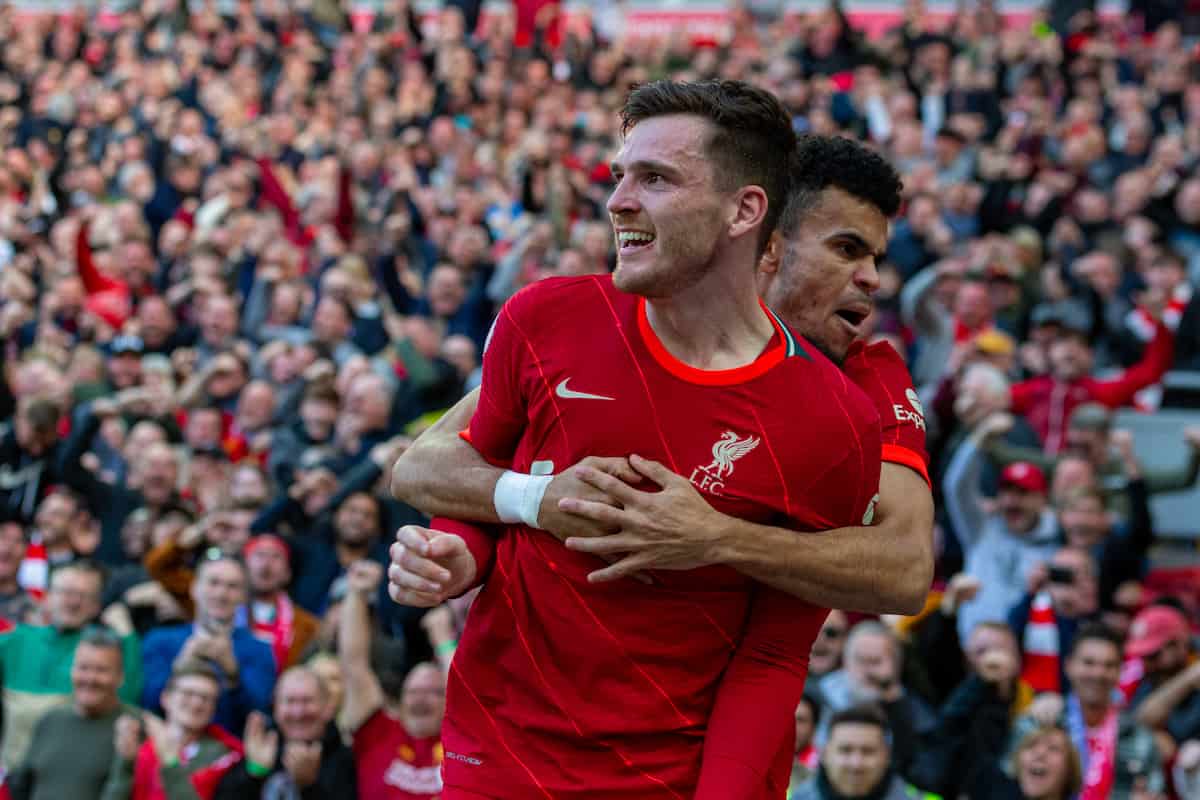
(644, 165)
(858, 240)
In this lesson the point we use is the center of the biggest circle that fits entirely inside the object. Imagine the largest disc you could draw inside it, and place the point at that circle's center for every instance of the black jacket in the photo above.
(973, 728)
(336, 780)
(23, 477)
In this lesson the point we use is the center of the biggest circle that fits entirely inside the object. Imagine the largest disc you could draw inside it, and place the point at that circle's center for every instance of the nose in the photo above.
(866, 276)
(622, 199)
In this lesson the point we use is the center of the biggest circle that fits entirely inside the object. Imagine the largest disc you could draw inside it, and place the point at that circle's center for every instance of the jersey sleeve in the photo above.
(752, 723)
(480, 540)
(500, 418)
(747, 748)
(880, 372)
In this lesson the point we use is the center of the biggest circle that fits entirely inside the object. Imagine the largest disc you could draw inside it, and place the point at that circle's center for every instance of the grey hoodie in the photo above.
(998, 557)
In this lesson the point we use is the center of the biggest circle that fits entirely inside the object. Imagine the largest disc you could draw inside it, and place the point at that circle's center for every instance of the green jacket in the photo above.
(36, 664)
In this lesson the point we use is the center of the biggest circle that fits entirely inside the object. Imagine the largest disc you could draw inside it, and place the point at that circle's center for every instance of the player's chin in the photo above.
(836, 339)
(635, 276)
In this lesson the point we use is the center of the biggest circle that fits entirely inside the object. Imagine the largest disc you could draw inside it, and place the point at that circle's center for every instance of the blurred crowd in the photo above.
(245, 258)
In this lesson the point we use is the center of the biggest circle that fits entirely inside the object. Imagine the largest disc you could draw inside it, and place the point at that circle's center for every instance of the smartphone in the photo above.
(1061, 575)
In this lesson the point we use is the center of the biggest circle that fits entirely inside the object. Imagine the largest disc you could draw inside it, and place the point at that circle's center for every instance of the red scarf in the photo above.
(964, 334)
(1141, 321)
(279, 632)
(808, 757)
(1132, 672)
(1101, 759)
(147, 783)
(34, 571)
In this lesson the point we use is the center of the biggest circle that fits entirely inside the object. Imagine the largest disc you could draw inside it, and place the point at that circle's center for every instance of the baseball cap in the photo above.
(1090, 417)
(127, 344)
(1025, 476)
(995, 343)
(1067, 315)
(318, 458)
(215, 452)
(1153, 628)
(266, 540)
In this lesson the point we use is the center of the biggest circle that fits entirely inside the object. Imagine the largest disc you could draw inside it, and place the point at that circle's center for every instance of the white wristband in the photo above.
(518, 497)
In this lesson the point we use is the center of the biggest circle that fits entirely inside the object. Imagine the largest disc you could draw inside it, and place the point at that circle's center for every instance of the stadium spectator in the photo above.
(397, 747)
(71, 749)
(180, 756)
(1166, 699)
(1119, 756)
(28, 457)
(37, 659)
(16, 604)
(272, 615)
(808, 716)
(856, 761)
(1063, 595)
(1045, 765)
(246, 665)
(871, 674)
(303, 757)
(1000, 548)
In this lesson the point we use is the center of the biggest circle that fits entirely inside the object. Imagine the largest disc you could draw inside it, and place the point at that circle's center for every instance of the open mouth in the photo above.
(632, 241)
(854, 317)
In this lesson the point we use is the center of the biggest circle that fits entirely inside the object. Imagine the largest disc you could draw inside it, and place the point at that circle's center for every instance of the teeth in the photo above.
(631, 237)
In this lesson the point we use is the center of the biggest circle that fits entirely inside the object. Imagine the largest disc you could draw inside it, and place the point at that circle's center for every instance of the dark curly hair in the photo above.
(753, 138)
(823, 161)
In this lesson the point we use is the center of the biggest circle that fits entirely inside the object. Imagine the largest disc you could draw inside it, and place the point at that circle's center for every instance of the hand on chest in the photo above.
(713, 436)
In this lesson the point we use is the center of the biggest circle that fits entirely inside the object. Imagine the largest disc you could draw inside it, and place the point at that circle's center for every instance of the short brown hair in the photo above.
(753, 141)
(192, 668)
(41, 413)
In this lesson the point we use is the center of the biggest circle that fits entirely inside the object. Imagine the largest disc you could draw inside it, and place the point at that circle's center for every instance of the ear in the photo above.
(773, 255)
(749, 208)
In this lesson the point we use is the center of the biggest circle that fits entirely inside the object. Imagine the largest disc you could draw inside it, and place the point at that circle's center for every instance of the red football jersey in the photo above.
(565, 689)
(392, 765)
(879, 371)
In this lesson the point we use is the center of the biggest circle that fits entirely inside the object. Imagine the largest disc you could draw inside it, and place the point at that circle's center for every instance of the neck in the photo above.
(717, 323)
(97, 711)
(349, 553)
(1093, 715)
(266, 596)
(184, 735)
(205, 621)
(417, 730)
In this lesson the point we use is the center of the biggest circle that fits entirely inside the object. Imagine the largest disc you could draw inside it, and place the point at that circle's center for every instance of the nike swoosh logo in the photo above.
(569, 394)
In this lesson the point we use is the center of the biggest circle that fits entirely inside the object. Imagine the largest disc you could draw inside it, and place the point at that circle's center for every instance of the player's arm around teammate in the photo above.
(673, 529)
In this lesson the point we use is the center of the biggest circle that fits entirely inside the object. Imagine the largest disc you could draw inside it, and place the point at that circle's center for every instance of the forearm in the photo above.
(1155, 709)
(192, 391)
(363, 694)
(1003, 454)
(1174, 479)
(960, 489)
(354, 638)
(119, 785)
(443, 476)
(885, 568)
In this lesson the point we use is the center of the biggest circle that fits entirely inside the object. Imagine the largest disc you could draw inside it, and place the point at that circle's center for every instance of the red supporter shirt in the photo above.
(879, 371)
(393, 765)
(563, 689)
